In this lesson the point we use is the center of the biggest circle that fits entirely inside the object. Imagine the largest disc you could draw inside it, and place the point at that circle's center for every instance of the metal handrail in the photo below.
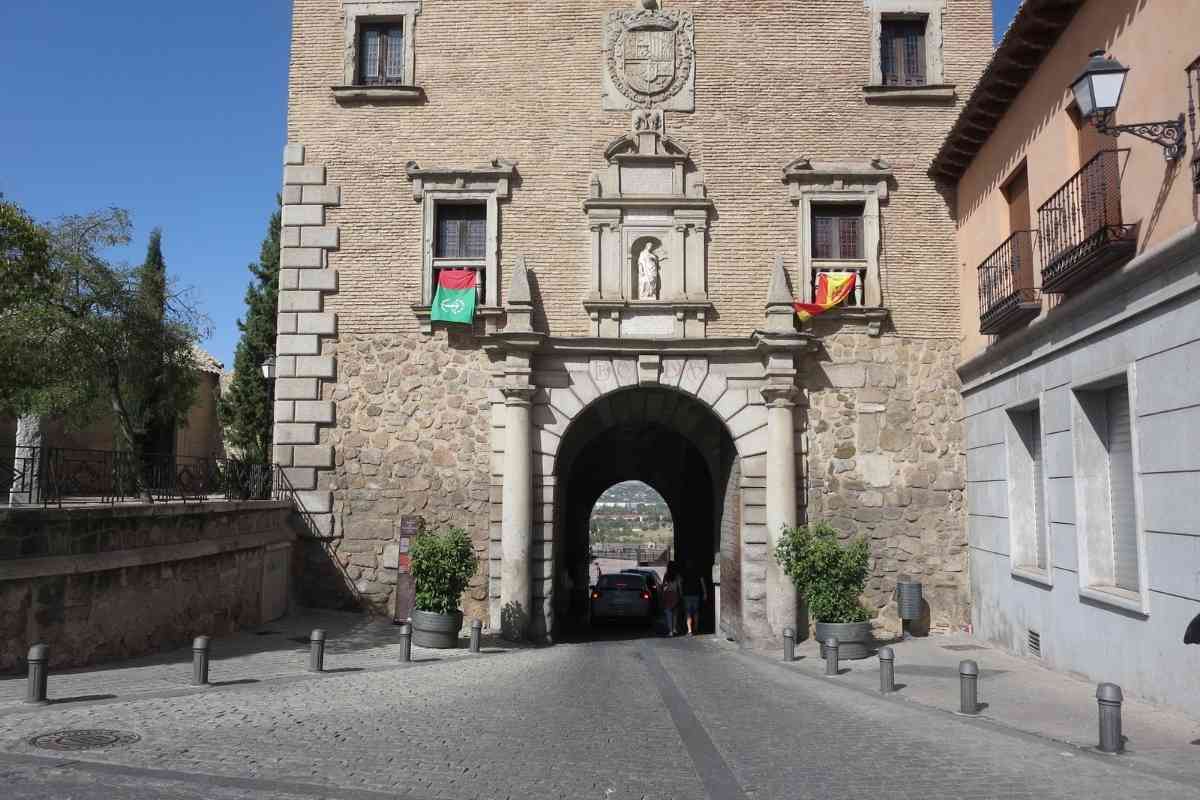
(57, 476)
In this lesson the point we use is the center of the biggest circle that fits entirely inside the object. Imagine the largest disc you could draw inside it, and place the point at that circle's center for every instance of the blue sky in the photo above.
(174, 111)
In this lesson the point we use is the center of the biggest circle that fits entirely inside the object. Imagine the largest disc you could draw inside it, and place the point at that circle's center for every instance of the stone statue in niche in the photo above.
(648, 273)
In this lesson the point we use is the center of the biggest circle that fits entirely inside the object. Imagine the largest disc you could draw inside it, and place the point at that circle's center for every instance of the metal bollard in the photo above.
(405, 641)
(1109, 697)
(200, 647)
(968, 686)
(887, 670)
(789, 645)
(831, 656)
(476, 634)
(316, 651)
(39, 667)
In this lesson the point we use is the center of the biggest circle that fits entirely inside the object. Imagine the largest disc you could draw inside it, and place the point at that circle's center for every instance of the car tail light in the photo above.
(645, 595)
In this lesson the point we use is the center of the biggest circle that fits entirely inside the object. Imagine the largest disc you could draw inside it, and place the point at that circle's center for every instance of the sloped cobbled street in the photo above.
(608, 720)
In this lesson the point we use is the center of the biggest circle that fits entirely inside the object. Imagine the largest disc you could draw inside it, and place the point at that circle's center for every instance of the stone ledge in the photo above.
(147, 556)
(910, 94)
(378, 94)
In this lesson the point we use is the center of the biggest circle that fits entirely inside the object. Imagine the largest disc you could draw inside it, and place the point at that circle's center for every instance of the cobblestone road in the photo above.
(597, 721)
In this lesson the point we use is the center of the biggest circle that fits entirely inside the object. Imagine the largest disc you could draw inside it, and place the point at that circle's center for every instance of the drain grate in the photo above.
(91, 739)
(960, 647)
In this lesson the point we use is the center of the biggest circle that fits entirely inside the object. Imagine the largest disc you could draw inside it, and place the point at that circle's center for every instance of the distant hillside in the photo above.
(631, 512)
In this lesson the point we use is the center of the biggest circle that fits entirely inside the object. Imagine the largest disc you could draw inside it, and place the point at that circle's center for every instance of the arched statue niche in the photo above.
(646, 256)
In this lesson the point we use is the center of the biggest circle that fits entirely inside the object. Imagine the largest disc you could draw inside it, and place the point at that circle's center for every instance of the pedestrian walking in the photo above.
(672, 589)
(695, 592)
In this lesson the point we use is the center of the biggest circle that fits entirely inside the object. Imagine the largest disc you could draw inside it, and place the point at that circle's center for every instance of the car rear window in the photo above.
(634, 582)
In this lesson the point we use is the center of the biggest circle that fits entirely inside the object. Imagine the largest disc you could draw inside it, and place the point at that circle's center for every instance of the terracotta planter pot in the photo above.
(854, 639)
(438, 631)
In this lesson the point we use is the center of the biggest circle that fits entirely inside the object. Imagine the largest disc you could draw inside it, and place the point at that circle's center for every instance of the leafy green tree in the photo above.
(77, 340)
(245, 409)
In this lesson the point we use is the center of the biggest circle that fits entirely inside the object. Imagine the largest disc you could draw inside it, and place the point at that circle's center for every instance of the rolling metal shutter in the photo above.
(1039, 496)
(1120, 486)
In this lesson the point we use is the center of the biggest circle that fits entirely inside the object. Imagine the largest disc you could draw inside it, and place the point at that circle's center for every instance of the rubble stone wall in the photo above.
(886, 460)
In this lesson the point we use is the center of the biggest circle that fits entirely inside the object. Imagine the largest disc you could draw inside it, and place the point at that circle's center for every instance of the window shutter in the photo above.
(914, 54)
(850, 237)
(394, 68)
(823, 237)
(475, 238)
(887, 54)
(371, 44)
(1120, 485)
(1039, 495)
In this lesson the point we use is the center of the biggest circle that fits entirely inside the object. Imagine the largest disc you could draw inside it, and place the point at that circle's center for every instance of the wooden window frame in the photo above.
(896, 33)
(384, 29)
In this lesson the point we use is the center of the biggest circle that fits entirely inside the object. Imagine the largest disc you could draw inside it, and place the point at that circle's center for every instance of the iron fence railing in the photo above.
(630, 552)
(1082, 220)
(1006, 280)
(55, 476)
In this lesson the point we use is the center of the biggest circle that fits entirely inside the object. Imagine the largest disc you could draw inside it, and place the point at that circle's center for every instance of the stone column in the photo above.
(781, 503)
(516, 526)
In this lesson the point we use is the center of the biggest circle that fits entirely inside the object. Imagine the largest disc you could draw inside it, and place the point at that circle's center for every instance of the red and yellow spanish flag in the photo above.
(832, 288)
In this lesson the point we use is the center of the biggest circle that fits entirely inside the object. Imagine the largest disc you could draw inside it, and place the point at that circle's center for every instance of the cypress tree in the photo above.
(245, 409)
(151, 400)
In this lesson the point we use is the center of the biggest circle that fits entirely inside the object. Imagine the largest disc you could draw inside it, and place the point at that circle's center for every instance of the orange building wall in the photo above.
(1156, 39)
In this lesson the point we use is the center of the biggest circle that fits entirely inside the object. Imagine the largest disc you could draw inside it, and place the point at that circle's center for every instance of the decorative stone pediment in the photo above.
(649, 59)
(804, 173)
(648, 213)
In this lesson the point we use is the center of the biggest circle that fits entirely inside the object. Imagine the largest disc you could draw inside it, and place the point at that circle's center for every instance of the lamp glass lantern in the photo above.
(268, 368)
(1098, 88)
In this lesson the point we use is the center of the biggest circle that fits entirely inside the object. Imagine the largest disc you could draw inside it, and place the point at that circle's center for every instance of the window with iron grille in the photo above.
(381, 54)
(837, 232)
(461, 231)
(902, 52)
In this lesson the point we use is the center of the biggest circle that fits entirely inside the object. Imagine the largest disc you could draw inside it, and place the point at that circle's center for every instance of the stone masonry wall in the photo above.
(886, 460)
(107, 583)
(411, 438)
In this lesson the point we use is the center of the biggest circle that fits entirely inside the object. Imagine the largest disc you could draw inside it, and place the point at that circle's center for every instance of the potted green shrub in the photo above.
(831, 577)
(442, 565)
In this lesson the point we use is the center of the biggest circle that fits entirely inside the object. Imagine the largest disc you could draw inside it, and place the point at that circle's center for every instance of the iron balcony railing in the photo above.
(1007, 295)
(54, 476)
(1080, 228)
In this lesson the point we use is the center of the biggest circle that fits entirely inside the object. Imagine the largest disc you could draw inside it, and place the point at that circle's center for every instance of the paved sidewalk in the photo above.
(1020, 694)
(277, 650)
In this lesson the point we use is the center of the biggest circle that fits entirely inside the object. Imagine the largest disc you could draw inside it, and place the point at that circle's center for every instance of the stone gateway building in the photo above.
(640, 191)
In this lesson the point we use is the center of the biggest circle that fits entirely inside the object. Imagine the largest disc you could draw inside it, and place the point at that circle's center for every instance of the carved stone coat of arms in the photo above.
(649, 60)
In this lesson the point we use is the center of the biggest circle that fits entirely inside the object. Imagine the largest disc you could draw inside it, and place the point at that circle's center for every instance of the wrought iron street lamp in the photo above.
(1098, 91)
(268, 368)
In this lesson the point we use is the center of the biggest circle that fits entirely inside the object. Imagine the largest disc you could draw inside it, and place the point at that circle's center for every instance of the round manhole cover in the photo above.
(83, 739)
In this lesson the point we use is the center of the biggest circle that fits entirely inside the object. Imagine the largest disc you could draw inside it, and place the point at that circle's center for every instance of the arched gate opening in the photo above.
(675, 444)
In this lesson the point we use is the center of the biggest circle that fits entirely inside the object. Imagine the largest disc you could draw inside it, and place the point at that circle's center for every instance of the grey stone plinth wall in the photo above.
(886, 460)
(99, 584)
